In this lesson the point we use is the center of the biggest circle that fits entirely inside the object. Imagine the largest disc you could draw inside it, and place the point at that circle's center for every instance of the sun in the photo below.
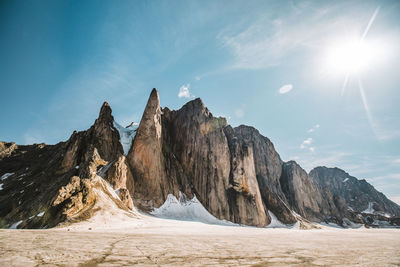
(351, 56)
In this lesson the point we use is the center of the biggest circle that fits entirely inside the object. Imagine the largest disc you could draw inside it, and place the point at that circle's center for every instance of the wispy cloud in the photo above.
(267, 41)
(329, 159)
(394, 176)
(184, 91)
(396, 161)
(315, 127)
(239, 112)
(306, 143)
(286, 88)
(253, 49)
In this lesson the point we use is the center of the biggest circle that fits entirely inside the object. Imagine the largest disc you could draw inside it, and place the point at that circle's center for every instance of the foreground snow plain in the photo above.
(143, 240)
(116, 237)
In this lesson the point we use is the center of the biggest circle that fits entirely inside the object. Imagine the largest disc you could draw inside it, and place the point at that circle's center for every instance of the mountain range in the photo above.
(235, 173)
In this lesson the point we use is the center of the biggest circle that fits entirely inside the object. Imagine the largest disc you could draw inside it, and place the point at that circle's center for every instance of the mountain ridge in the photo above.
(235, 173)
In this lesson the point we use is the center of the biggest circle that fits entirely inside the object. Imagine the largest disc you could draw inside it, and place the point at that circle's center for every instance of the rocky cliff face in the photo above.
(146, 160)
(44, 185)
(219, 170)
(235, 173)
(356, 195)
(308, 199)
(300, 192)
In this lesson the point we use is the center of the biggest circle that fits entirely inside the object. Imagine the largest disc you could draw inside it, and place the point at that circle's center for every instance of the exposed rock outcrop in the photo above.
(356, 195)
(301, 194)
(59, 182)
(146, 160)
(268, 166)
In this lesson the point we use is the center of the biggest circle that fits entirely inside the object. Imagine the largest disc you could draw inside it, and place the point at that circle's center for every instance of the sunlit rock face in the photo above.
(268, 169)
(220, 172)
(60, 182)
(308, 199)
(146, 159)
(234, 173)
(301, 194)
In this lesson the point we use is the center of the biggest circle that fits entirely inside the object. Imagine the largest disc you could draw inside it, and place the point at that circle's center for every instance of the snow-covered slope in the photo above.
(126, 136)
(108, 212)
(187, 210)
(275, 223)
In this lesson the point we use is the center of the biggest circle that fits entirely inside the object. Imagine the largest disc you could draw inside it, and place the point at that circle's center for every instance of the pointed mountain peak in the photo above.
(150, 124)
(197, 103)
(105, 110)
(105, 114)
(154, 93)
(153, 104)
(196, 106)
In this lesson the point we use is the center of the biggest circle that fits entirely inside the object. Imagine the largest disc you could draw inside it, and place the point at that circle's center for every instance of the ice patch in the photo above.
(102, 171)
(1, 186)
(15, 225)
(384, 214)
(350, 224)
(77, 167)
(40, 214)
(275, 223)
(6, 175)
(345, 180)
(370, 209)
(126, 136)
(186, 210)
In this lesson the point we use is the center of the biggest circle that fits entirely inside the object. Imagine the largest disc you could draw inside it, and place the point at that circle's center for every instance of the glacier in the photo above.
(126, 136)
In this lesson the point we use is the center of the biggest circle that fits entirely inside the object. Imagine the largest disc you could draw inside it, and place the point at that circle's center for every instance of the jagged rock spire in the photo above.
(150, 125)
(105, 113)
(146, 159)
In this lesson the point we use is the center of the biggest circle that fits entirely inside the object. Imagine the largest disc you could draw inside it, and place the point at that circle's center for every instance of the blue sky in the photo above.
(260, 63)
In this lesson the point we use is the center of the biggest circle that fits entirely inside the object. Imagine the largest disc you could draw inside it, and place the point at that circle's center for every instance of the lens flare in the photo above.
(351, 56)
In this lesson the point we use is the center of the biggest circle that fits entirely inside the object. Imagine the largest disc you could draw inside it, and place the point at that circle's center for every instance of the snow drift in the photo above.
(186, 209)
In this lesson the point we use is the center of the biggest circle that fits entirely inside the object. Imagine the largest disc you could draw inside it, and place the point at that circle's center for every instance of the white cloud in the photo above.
(197, 78)
(306, 143)
(313, 128)
(184, 91)
(285, 89)
(312, 149)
